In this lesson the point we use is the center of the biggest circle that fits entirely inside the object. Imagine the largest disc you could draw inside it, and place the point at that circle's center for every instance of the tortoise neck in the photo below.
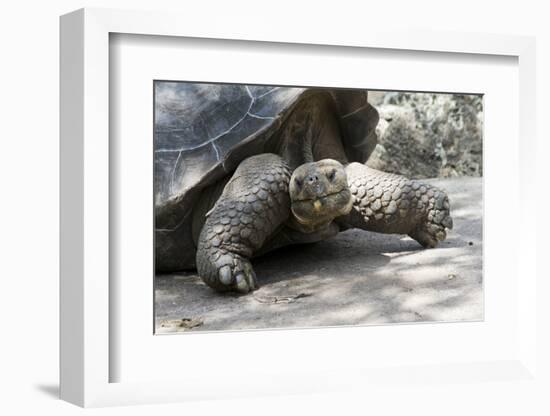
(311, 132)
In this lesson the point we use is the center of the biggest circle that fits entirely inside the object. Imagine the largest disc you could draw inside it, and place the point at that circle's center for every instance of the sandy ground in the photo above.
(356, 278)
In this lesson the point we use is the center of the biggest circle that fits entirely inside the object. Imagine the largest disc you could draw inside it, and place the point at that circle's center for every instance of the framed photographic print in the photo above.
(243, 171)
(278, 203)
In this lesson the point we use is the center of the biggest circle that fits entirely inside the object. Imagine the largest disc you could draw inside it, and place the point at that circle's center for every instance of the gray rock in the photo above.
(424, 135)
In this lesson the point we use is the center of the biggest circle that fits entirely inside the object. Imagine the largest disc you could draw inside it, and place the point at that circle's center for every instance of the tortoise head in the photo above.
(319, 193)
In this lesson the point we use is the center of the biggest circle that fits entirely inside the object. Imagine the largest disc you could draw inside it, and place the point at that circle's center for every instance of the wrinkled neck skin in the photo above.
(308, 228)
(313, 227)
(310, 133)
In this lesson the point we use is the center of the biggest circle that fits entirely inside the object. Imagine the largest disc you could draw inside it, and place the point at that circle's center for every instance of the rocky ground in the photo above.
(357, 278)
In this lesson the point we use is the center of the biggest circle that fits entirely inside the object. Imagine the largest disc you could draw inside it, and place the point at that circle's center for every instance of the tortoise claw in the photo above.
(231, 272)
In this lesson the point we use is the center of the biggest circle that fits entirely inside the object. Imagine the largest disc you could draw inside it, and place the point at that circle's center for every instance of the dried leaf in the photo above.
(179, 325)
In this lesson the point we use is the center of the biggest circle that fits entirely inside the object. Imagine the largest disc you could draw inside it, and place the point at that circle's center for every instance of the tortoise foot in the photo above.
(428, 235)
(438, 218)
(226, 271)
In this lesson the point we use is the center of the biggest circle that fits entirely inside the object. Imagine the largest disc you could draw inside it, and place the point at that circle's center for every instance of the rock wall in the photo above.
(424, 135)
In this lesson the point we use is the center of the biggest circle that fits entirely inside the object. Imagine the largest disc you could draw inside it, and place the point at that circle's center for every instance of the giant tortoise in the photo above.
(241, 170)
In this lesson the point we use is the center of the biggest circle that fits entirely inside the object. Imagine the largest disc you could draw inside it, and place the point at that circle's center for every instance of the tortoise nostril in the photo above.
(312, 179)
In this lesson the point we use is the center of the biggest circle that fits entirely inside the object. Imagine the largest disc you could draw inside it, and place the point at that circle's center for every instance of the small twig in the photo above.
(281, 299)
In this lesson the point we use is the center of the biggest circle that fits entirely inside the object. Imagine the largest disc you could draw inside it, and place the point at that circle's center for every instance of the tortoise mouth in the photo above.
(323, 208)
(320, 197)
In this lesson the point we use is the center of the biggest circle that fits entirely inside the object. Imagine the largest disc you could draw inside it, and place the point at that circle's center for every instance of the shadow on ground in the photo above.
(51, 390)
(356, 278)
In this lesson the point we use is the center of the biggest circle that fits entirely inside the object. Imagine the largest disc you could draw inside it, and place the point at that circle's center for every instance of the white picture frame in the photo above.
(86, 354)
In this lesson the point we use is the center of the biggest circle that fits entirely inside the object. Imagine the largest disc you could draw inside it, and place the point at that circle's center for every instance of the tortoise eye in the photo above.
(298, 182)
(331, 175)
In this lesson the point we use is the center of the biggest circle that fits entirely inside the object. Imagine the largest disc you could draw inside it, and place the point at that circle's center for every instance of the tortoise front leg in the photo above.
(254, 203)
(389, 203)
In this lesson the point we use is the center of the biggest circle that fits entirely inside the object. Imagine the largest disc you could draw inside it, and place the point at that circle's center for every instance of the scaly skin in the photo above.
(253, 214)
(389, 203)
(254, 203)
